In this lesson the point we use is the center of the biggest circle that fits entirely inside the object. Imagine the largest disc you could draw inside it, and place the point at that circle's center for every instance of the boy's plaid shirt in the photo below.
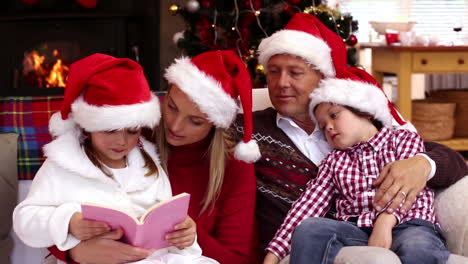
(349, 175)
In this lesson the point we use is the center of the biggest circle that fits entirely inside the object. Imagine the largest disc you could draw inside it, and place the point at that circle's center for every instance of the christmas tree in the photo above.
(240, 25)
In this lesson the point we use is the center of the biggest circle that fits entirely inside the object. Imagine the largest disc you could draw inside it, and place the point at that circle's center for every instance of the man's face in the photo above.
(290, 81)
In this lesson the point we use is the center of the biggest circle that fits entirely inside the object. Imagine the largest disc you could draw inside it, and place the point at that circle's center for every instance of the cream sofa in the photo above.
(451, 207)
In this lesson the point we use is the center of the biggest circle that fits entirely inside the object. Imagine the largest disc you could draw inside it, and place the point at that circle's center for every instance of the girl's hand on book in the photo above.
(184, 234)
(85, 229)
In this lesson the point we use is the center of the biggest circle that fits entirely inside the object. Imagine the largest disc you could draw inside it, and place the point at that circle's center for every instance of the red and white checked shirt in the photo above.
(348, 175)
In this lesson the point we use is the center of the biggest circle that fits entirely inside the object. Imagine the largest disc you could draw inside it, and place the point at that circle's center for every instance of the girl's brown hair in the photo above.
(150, 165)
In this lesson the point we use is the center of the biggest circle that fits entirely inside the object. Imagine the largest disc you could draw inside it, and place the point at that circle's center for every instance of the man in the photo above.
(296, 59)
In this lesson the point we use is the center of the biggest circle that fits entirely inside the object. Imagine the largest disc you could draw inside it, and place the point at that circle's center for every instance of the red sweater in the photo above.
(226, 233)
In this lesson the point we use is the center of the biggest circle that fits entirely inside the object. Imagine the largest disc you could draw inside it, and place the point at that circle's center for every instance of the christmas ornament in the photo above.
(174, 9)
(259, 69)
(294, 2)
(29, 2)
(206, 3)
(352, 40)
(192, 6)
(178, 36)
(87, 3)
(257, 4)
(290, 10)
(247, 19)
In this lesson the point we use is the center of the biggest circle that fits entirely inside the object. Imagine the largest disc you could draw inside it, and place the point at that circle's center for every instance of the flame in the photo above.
(45, 74)
(57, 75)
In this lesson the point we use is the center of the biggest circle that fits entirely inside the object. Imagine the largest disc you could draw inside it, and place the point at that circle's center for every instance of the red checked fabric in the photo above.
(28, 116)
(349, 175)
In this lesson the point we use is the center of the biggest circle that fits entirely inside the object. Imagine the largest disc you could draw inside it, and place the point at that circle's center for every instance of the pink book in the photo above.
(150, 229)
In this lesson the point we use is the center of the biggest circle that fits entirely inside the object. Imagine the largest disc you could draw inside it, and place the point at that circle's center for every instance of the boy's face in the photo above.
(343, 128)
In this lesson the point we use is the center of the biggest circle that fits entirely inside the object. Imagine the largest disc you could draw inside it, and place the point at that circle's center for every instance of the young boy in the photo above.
(356, 122)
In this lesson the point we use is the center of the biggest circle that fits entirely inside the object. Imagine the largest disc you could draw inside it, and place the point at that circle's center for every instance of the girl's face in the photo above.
(341, 127)
(184, 123)
(112, 147)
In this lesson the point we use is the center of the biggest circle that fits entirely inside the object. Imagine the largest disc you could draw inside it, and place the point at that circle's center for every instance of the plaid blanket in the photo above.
(29, 117)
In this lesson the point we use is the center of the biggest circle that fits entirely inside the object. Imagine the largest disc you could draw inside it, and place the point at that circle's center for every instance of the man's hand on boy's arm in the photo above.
(381, 235)
(85, 229)
(400, 181)
(270, 258)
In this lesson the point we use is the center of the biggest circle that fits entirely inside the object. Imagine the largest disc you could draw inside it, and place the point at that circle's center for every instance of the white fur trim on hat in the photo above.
(204, 91)
(109, 117)
(248, 152)
(58, 126)
(362, 96)
(298, 43)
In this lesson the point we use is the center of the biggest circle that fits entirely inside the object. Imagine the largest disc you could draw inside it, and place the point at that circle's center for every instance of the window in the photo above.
(433, 17)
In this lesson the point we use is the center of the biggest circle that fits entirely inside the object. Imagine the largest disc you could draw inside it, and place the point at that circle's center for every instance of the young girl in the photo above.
(357, 124)
(98, 157)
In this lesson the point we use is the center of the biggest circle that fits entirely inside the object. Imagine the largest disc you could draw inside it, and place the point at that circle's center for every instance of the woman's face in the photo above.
(184, 123)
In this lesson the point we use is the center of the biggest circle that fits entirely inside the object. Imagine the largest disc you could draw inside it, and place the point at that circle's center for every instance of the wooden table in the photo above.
(404, 61)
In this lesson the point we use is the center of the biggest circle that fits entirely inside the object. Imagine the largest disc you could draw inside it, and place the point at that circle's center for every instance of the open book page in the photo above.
(150, 230)
(113, 217)
(161, 220)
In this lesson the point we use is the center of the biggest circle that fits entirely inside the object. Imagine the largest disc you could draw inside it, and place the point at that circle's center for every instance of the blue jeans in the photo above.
(318, 240)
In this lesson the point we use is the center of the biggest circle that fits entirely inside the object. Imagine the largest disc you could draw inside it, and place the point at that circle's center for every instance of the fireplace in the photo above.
(41, 44)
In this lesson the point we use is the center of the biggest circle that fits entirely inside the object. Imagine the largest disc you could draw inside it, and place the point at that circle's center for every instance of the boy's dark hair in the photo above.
(366, 115)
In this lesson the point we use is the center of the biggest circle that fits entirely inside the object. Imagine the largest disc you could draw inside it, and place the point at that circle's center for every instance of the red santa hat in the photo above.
(214, 80)
(362, 96)
(104, 93)
(306, 37)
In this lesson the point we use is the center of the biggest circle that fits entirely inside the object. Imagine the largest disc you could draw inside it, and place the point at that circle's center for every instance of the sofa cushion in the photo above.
(8, 191)
(452, 215)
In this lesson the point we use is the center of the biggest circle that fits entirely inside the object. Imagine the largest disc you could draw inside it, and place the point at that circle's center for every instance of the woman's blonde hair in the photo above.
(221, 145)
(150, 165)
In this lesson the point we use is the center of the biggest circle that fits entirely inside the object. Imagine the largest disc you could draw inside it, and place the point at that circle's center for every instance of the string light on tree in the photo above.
(178, 36)
(192, 6)
(174, 9)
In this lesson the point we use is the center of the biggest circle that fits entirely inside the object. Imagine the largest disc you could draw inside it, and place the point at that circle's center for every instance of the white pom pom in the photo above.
(178, 36)
(192, 6)
(58, 126)
(248, 152)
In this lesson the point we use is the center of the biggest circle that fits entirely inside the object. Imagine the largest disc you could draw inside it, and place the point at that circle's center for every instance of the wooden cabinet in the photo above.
(437, 62)
(404, 61)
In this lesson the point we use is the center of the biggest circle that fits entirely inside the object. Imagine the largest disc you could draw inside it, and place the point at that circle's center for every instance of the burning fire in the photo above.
(44, 72)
